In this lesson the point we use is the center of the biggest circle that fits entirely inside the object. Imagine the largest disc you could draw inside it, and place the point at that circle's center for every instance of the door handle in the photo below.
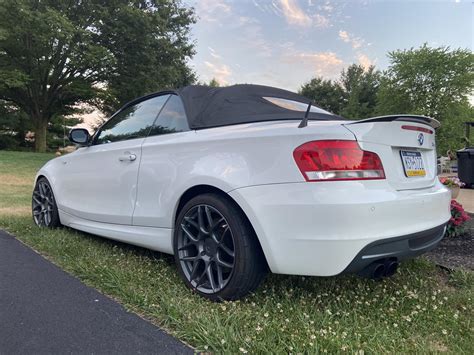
(128, 157)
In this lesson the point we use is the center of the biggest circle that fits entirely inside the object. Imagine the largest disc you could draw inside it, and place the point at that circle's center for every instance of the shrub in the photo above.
(8, 142)
(456, 225)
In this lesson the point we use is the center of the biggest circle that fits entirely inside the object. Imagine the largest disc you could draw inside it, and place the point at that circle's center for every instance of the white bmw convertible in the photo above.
(240, 180)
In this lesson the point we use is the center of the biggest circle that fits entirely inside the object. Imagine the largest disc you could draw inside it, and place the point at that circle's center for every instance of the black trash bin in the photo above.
(466, 166)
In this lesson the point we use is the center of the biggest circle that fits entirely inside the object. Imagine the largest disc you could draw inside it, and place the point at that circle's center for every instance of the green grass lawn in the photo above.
(421, 309)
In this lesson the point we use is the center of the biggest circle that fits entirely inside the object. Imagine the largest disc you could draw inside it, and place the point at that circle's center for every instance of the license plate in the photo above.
(412, 163)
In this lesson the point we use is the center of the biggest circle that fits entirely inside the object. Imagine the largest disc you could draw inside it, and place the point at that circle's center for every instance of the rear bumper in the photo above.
(320, 229)
(399, 248)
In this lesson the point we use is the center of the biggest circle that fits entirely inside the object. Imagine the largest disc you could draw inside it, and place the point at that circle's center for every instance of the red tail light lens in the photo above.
(337, 160)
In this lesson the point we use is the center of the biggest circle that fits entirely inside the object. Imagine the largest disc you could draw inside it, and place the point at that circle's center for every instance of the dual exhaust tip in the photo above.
(381, 268)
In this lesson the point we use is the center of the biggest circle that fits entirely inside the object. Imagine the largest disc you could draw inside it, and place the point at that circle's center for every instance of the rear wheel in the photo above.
(216, 250)
(43, 205)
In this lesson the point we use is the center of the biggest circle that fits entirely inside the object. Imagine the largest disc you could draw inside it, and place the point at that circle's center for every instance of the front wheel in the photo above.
(216, 250)
(43, 205)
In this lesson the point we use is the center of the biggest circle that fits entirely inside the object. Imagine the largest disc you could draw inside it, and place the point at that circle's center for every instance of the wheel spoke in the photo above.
(41, 218)
(41, 190)
(191, 222)
(194, 271)
(36, 213)
(220, 280)
(226, 249)
(189, 234)
(201, 278)
(224, 263)
(187, 246)
(189, 258)
(210, 277)
(217, 224)
(47, 218)
(209, 217)
(201, 220)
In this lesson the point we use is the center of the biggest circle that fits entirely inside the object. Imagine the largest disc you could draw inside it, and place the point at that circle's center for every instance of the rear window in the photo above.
(295, 105)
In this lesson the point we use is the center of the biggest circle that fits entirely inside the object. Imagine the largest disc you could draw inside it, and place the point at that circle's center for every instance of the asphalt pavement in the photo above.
(44, 310)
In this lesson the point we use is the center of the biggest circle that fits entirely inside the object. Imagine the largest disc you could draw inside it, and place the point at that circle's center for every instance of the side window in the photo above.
(132, 122)
(172, 118)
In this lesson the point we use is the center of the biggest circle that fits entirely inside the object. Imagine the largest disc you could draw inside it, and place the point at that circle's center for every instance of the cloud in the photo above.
(344, 36)
(365, 61)
(355, 42)
(294, 15)
(213, 53)
(251, 36)
(212, 10)
(220, 72)
(322, 63)
(321, 21)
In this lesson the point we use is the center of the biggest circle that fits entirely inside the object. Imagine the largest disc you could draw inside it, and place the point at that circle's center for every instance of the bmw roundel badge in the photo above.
(421, 138)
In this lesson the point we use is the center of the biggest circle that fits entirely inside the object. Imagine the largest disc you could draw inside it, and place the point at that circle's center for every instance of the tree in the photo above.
(435, 82)
(325, 94)
(354, 95)
(58, 129)
(214, 83)
(49, 59)
(55, 55)
(360, 88)
(14, 125)
(149, 40)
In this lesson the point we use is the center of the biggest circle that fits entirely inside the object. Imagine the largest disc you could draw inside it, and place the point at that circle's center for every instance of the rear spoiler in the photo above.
(406, 118)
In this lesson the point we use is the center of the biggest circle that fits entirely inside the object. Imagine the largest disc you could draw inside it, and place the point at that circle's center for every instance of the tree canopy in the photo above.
(55, 55)
(435, 82)
(150, 44)
(360, 88)
(353, 95)
(326, 94)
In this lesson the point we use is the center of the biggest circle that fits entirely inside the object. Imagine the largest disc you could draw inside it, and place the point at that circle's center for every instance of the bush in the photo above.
(456, 225)
(7, 142)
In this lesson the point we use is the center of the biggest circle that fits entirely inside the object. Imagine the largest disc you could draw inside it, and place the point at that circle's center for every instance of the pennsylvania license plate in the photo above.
(412, 163)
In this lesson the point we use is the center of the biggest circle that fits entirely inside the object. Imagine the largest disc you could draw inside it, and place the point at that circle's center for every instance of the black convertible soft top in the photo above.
(208, 107)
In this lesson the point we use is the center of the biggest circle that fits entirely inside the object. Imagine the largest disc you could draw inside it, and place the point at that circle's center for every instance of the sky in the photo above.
(285, 43)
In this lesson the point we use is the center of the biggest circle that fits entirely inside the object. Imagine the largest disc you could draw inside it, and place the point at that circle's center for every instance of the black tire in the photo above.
(43, 205)
(206, 247)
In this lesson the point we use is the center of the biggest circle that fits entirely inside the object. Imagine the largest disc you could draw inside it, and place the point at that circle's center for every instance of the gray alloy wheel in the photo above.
(216, 250)
(43, 204)
(206, 249)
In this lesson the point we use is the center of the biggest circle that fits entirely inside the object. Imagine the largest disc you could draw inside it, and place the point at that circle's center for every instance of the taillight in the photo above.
(337, 160)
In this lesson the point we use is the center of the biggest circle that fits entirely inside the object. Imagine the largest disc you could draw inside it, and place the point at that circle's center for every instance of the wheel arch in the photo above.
(203, 189)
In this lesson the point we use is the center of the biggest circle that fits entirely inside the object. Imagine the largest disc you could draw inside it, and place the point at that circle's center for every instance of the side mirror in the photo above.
(79, 136)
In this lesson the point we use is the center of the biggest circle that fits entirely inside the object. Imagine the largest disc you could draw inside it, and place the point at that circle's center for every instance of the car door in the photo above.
(99, 182)
(162, 152)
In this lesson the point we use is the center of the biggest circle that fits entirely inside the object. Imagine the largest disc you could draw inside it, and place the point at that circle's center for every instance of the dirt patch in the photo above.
(438, 346)
(456, 252)
(14, 211)
(13, 180)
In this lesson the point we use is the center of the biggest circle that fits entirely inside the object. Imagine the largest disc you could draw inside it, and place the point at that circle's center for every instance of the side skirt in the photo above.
(159, 239)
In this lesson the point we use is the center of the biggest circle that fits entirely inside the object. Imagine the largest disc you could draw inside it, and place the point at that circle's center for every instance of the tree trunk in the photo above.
(41, 126)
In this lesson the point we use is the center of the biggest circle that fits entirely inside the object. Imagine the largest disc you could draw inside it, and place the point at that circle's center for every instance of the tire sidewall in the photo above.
(55, 222)
(232, 217)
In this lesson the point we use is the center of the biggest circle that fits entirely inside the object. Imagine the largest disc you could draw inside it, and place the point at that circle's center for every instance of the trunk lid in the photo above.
(405, 144)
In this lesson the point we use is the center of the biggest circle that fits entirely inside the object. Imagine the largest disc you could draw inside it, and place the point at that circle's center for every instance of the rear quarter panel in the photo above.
(226, 158)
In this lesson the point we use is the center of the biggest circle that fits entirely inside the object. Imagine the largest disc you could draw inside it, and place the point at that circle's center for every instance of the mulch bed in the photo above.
(456, 252)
